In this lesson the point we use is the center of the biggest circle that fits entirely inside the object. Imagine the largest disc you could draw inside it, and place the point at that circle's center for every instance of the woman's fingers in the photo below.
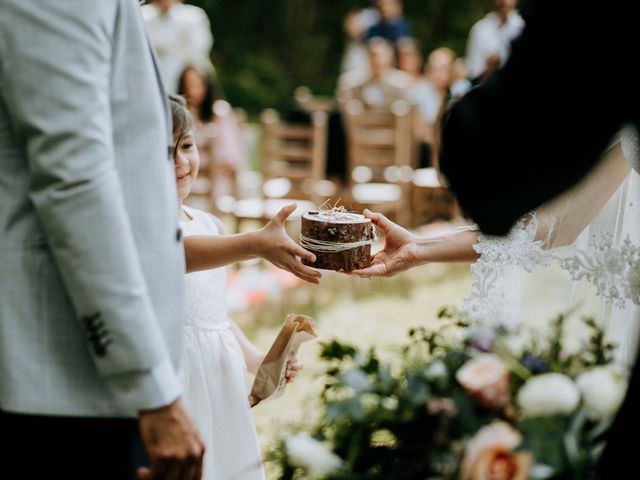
(375, 270)
(380, 220)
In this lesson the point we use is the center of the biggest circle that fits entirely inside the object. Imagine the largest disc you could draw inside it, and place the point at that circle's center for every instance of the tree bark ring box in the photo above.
(340, 240)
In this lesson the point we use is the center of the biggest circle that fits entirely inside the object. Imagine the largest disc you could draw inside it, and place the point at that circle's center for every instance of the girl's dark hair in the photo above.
(205, 110)
(180, 115)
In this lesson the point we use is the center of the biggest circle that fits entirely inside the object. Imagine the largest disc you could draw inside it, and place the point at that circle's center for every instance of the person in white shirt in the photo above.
(490, 38)
(356, 24)
(181, 35)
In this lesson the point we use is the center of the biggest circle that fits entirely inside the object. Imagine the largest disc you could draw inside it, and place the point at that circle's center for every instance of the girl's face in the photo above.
(187, 162)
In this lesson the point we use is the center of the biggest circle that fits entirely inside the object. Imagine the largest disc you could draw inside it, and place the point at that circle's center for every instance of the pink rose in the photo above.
(486, 377)
(489, 455)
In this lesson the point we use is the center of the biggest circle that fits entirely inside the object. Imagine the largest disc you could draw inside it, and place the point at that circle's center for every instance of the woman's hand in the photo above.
(293, 369)
(275, 245)
(399, 252)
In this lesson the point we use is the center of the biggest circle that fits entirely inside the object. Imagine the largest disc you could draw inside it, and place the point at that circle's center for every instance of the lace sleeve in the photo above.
(518, 248)
(495, 294)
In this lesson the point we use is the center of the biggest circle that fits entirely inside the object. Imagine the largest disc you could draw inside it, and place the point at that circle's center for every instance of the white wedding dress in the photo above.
(579, 253)
(212, 371)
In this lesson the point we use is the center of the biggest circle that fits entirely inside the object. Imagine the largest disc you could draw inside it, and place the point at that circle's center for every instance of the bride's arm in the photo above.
(404, 250)
(561, 220)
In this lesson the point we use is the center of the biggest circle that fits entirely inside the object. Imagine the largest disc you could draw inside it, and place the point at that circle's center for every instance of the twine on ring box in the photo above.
(326, 246)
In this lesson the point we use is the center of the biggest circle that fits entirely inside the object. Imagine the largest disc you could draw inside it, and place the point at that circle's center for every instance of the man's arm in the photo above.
(57, 89)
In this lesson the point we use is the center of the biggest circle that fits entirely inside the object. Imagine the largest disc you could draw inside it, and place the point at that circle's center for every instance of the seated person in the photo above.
(379, 87)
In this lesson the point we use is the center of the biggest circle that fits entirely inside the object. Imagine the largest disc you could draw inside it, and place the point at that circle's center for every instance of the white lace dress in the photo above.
(213, 372)
(603, 263)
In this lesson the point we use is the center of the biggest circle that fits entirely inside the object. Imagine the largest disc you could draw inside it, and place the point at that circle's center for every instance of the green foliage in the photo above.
(412, 419)
(263, 50)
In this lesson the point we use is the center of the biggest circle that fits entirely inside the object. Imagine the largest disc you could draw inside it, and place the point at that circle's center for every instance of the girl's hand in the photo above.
(276, 246)
(293, 369)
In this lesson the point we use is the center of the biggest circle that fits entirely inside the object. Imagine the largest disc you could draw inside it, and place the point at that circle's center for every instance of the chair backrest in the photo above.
(307, 101)
(293, 156)
(380, 143)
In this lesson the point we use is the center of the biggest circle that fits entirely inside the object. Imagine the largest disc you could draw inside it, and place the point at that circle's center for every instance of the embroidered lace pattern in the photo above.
(614, 270)
(491, 299)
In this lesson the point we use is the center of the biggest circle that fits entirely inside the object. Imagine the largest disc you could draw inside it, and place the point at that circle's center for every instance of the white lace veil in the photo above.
(579, 253)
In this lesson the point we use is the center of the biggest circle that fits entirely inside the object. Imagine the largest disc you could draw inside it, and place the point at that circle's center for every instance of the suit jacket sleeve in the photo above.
(57, 87)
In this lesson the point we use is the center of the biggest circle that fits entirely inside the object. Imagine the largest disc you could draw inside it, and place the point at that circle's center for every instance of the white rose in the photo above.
(548, 394)
(306, 452)
(602, 392)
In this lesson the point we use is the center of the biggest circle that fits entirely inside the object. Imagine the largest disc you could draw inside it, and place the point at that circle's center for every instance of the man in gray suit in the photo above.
(91, 259)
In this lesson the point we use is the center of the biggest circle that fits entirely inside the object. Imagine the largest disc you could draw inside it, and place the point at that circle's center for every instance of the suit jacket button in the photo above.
(179, 234)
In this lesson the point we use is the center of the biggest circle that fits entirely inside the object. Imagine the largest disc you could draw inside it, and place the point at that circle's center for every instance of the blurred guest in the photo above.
(356, 24)
(409, 58)
(490, 39)
(380, 87)
(181, 35)
(430, 93)
(392, 25)
(216, 130)
(460, 83)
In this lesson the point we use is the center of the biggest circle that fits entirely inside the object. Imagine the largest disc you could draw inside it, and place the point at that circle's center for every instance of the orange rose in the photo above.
(489, 455)
(486, 377)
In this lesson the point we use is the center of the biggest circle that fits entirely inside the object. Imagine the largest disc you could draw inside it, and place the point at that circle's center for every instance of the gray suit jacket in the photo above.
(91, 260)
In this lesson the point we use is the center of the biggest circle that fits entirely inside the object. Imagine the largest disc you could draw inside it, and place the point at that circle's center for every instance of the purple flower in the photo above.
(483, 340)
(535, 364)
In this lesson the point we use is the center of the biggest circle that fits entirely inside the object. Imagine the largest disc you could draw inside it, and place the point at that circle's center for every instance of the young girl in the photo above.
(215, 351)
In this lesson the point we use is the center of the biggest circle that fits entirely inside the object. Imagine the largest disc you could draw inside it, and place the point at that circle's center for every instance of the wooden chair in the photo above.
(430, 199)
(292, 166)
(381, 158)
(307, 101)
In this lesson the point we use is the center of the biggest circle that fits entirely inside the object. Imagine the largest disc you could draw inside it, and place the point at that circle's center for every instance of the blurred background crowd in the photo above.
(314, 102)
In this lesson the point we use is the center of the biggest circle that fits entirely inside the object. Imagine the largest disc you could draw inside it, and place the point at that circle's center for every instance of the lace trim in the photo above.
(492, 298)
(614, 270)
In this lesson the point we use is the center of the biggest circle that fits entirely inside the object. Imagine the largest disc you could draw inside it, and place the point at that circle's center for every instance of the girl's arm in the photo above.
(253, 356)
(270, 242)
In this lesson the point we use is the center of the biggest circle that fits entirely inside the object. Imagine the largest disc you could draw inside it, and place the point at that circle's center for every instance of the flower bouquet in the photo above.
(461, 402)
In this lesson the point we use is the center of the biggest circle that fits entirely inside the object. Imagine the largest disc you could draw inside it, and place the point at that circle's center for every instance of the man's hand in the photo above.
(174, 446)
(399, 251)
